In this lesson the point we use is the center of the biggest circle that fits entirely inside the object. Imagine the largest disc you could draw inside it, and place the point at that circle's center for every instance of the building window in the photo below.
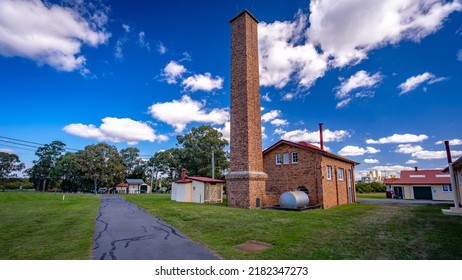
(329, 172)
(286, 158)
(278, 158)
(294, 157)
(341, 174)
(446, 188)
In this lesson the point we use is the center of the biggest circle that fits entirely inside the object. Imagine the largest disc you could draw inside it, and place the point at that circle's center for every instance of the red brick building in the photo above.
(327, 178)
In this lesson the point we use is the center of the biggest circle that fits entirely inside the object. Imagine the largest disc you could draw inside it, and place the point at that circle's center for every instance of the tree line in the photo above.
(103, 165)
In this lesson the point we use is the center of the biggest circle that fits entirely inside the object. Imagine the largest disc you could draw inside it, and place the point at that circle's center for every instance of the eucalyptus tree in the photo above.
(102, 164)
(44, 168)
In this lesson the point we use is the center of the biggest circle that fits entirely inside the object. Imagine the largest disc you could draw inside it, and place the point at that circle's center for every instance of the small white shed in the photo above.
(197, 189)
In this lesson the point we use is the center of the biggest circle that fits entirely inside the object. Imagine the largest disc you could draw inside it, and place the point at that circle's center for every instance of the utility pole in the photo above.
(213, 165)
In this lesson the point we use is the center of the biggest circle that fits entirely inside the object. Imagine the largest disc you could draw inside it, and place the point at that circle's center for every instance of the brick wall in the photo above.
(310, 172)
(288, 177)
(335, 191)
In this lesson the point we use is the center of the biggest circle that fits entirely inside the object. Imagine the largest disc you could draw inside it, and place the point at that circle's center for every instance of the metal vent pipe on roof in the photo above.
(321, 141)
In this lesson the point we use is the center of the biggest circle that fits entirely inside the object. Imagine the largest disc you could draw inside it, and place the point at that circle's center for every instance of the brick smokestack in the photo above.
(321, 141)
(246, 180)
(183, 174)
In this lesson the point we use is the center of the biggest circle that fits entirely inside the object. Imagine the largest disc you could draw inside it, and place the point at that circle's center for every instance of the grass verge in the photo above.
(43, 226)
(358, 231)
(371, 195)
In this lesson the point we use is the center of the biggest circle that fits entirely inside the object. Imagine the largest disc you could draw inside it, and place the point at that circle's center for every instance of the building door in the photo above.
(398, 192)
(350, 187)
(423, 193)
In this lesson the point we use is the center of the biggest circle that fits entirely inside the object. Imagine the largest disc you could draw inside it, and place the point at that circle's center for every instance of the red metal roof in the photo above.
(309, 147)
(189, 179)
(122, 185)
(420, 177)
(205, 179)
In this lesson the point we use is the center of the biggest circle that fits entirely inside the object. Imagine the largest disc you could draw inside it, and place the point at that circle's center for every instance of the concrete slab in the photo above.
(125, 231)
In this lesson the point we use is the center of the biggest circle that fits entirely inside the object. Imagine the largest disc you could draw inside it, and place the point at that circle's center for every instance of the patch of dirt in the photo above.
(253, 246)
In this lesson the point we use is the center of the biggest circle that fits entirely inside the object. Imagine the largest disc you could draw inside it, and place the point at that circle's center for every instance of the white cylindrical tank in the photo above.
(294, 200)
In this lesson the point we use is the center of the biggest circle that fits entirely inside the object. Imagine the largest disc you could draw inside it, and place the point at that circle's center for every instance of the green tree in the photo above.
(166, 162)
(134, 167)
(196, 151)
(44, 168)
(70, 172)
(9, 163)
(102, 164)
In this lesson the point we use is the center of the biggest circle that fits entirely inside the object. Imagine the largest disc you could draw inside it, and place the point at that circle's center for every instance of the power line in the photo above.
(35, 144)
(3, 145)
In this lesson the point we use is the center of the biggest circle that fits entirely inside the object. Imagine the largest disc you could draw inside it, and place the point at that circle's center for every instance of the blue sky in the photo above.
(384, 77)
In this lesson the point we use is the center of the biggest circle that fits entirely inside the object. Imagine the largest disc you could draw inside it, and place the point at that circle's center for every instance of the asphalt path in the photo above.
(404, 201)
(125, 231)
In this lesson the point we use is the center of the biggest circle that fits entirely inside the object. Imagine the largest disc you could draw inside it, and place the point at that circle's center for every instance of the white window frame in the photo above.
(329, 172)
(341, 174)
(446, 188)
(278, 159)
(294, 155)
(285, 158)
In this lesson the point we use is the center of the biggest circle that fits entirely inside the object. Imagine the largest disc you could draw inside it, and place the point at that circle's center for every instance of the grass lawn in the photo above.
(372, 195)
(43, 226)
(357, 231)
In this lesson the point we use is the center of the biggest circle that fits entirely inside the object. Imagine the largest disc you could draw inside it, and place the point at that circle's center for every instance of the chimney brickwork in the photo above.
(246, 181)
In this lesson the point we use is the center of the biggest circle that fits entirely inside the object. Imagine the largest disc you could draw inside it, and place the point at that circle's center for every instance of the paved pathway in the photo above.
(125, 231)
(403, 201)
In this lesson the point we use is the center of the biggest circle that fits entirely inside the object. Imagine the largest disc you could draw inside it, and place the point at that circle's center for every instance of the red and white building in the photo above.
(197, 189)
(421, 184)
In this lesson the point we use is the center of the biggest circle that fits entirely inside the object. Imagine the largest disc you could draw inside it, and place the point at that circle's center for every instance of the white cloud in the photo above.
(415, 81)
(271, 115)
(142, 41)
(284, 55)
(204, 82)
(348, 30)
(50, 34)
(459, 55)
(126, 27)
(357, 151)
(399, 138)
(279, 122)
(226, 131)
(178, 113)
(420, 153)
(342, 33)
(266, 97)
(8, 151)
(434, 154)
(263, 134)
(411, 161)
(173, 71)
(119, 52)
(453, 142)
(371, 160)
(391, 168)
(360, 80)
(308, 136)
(116, 130)
(162, 49)
(363, 81)
(408, 149)
(343, 103)
(288, 96)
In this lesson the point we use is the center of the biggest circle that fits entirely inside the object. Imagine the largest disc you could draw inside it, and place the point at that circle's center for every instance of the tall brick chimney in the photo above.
(246, 181)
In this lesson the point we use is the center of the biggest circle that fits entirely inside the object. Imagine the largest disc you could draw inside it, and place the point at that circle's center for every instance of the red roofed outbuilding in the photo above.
(197, 189)
(421, 184)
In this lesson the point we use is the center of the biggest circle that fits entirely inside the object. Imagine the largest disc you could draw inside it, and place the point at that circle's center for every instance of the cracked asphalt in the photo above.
(125, 231)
